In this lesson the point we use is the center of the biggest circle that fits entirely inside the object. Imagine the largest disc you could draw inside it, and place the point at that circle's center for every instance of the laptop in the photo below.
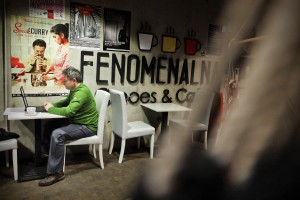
(38, 108)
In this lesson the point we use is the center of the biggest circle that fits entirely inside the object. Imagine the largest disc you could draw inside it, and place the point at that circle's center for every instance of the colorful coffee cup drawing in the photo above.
(170, 43)
(146, 41)
(192, 45)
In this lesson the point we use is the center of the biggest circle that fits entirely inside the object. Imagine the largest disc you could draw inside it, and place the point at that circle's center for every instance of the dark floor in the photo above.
(84, 179)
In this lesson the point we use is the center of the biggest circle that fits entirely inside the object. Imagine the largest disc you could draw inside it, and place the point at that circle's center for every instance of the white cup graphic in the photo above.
(147, 41)
(31, 110)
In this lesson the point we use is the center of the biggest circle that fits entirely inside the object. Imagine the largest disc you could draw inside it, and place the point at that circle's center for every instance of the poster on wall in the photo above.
(85, 26)
(33, 51)
(47, 9)
(116, 30)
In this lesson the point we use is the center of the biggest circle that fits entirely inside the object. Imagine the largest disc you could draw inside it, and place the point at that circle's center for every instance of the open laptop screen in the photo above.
(38, 108)
(24, 98)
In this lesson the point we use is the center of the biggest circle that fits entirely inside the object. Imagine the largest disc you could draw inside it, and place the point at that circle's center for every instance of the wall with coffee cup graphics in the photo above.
(163, 62)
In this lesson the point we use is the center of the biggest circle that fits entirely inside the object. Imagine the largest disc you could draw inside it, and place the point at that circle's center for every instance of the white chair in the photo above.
(125, 129)
(202, 118)
(7, 145)
(102, 99)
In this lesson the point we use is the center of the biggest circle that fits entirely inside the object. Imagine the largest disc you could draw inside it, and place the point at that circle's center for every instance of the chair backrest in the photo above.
(206, 97)
(119, 112)
(102, 99)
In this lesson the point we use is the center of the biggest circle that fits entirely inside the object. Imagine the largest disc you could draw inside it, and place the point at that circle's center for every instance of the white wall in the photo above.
(194, 14)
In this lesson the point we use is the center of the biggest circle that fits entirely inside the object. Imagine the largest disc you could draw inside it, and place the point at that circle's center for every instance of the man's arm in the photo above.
(71, 109)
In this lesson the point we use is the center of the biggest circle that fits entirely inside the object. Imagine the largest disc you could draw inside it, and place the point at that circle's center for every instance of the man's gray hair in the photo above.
(71, 73)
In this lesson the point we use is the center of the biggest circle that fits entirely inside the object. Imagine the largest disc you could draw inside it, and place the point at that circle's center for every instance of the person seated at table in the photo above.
(80, 107)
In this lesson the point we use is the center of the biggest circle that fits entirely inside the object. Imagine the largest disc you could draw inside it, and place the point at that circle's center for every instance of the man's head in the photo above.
(72, 78)
(39, 47)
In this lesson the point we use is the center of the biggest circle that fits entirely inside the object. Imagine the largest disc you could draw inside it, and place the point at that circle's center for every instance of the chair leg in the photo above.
(101, 156)
(7, 158)
(205, 140)
(15, 163)
(122, 150)
(94, 150)
(112, 140)
(152, 146)
(65, 158)
(139, 142)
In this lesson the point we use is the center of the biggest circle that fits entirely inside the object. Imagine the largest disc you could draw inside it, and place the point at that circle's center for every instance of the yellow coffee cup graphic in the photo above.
(170, 44)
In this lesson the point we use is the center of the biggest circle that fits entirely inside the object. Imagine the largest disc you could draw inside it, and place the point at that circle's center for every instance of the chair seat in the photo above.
(139, 128)
(84, 141)
(8, 144)
(178, 123)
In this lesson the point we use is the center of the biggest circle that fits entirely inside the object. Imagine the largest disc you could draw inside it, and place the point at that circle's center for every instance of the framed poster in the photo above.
(116, 30)
(47, 9)
(85, 26)
(32, 52)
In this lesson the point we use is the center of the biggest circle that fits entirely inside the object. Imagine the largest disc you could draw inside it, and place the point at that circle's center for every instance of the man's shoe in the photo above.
(51, 179)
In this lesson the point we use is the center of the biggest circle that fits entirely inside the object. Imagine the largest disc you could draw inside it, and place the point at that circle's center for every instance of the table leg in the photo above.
(164, 122)
(38, 142)
(29, 172)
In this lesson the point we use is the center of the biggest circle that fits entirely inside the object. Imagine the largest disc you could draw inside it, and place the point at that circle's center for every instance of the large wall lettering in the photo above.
(133, 69)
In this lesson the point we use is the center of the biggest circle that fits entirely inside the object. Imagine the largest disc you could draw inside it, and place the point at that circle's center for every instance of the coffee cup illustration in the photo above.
(146, 41)
(192, 45)
(170, 44)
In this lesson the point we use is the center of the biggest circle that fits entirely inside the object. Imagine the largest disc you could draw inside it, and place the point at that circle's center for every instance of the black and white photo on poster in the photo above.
(85, 25)
(116, 30)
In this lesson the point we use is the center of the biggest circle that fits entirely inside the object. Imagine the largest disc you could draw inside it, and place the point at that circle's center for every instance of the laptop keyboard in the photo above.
(40, 109)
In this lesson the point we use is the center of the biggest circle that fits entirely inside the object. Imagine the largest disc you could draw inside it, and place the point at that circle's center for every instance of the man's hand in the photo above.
(47, 105)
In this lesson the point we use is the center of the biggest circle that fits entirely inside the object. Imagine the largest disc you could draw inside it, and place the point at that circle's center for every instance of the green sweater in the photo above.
(79, 106)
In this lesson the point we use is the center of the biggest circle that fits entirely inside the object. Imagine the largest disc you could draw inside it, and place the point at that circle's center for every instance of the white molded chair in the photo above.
(102, 99)
(202, 118)
(11, 144)
(125, 129)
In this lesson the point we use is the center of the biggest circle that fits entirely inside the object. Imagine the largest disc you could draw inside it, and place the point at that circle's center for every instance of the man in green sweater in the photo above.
(80, 107)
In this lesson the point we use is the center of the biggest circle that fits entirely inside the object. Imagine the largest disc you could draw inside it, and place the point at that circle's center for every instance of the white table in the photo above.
(164, 109)
(19, 114)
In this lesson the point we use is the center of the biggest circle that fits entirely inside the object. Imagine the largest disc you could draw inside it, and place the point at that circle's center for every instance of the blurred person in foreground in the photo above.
(257, 156)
